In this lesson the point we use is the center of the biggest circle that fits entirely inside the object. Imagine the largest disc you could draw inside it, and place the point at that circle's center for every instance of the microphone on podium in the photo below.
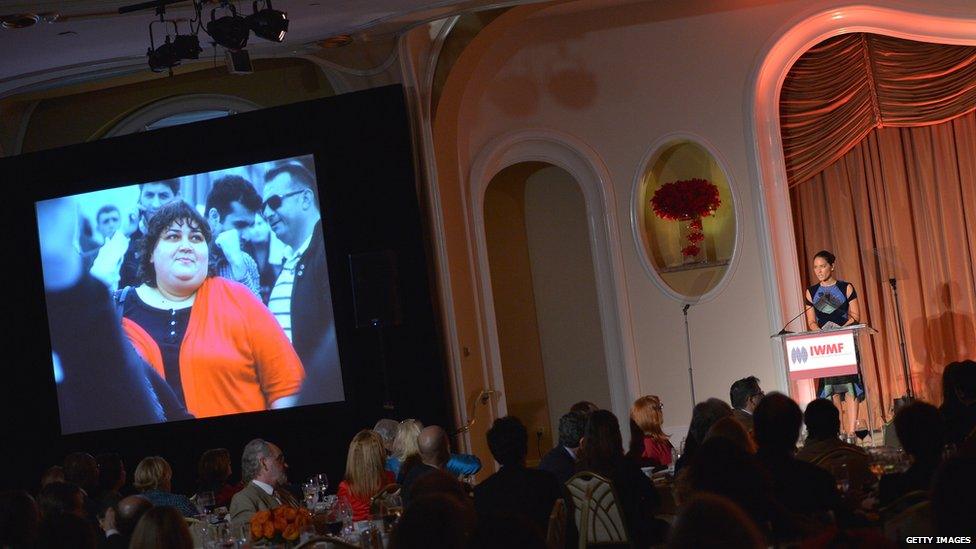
(784, 331)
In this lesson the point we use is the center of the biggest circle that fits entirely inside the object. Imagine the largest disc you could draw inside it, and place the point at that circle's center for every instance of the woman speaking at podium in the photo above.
(833, 303)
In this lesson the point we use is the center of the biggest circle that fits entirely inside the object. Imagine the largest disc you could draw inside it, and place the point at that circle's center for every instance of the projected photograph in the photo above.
(198, 296)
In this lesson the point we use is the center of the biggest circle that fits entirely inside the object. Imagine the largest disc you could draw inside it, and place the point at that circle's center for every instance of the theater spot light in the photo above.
(187, 46)
(164, 57)
(268, 23)
(230, 31)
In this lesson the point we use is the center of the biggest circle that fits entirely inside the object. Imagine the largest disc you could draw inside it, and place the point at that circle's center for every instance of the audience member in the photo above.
(161, 528)
(121, 520)
(561, 460)
(213, 475)
(744, 395)
(649, 446)
(66, 531)
(58, 498)
(920, 430)
(961, 420)
(713, 521)
(515, 490)
(81, 468)
(107, 221)
(954, 498)
(825, 448)
(152, 196)
(387, 429)
(437, 520)
(54, 473)
(230, 208)
(442, 482)
(799, 486)
(584, 406)
(263, 471)
(508, 531)
(405, 446)
(733, 430)
(111, 479)
(365, 475)
(19, 520)
(154, 479)
(602, 452)
(434, 452)
(703, 416)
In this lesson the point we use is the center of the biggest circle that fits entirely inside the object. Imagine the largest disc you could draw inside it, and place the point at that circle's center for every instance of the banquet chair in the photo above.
(556, 532)
(598, 514)
(382, 497)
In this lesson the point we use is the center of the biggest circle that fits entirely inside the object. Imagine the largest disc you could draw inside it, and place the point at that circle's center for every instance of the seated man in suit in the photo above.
(515, 491)
(561, 460)
(434, 453)
(823, 427)
(121, 520)
(745, 395)
(263, 470)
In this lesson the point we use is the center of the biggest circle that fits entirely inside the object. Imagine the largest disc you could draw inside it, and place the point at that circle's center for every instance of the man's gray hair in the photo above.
(251, 458)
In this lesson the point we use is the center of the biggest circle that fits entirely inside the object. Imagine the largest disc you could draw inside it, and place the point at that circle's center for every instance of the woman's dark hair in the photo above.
(748, 487)
(602, 444)
(920, 430)
(178, 212)
(703, 416)
(213, 468)
(827, 256)
(58, 498)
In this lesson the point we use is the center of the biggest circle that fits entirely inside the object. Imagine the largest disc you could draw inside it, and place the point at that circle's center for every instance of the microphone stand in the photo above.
(691, 373)
(909, 388)
(784, 331)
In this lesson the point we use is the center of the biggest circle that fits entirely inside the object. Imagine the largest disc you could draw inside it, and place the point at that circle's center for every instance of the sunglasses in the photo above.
(274, 201)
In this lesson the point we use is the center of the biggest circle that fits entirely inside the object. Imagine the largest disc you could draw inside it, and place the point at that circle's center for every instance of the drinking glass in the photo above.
(843, 477)
(392, 510)
(205, 502)
(311, 493)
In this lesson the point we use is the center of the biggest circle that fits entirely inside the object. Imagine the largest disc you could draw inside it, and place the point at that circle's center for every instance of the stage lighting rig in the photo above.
(268, 23)
(230, 31)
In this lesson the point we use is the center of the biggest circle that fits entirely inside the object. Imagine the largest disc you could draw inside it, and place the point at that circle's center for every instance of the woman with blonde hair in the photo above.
(154, 480)
(649, 446)
(365, 474)
(161, 528)
(404, 444)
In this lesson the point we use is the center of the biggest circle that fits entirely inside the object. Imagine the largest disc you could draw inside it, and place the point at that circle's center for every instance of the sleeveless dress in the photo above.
(831, 304)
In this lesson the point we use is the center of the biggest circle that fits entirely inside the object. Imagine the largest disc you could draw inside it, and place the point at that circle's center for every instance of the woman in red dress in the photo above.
(649, 446)
(365, 473)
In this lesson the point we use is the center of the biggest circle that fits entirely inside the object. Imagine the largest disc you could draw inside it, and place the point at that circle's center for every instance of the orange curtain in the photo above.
(842, 88)
(901, 203)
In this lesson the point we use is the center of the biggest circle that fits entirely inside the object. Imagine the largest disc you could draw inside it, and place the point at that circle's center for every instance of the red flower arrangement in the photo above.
(687, 200)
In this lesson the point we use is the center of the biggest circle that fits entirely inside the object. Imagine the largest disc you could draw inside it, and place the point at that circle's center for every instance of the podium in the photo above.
(825, 353)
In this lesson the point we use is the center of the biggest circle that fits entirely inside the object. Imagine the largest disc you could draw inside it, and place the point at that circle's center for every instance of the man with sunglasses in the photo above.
(230, 208)
(300, 298)
(745, 395)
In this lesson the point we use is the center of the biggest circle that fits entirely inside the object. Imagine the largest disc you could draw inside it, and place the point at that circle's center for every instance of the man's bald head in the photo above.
(131, 510)
(434, 447)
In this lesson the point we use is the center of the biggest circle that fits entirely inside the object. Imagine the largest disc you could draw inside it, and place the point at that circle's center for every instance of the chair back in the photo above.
(858, 464)
(556, 532)
(597, 510)
(382, 496)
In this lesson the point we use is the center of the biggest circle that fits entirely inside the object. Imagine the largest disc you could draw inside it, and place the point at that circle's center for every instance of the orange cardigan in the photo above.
(234, 357)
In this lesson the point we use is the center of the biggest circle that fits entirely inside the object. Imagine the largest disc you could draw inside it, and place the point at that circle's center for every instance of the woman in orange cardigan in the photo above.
(365, 472)
(216, 345)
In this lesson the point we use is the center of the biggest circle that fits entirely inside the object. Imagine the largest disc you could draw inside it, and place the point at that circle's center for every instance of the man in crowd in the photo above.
(263, 470)
(822, 419)
(561, 460)
(121, 520)
(111, 479)
(515, 491)
(434, 450)
(745, 395)
(80, 468)
(107, 221)
(152, 196)
(300, 299)
(231, 205)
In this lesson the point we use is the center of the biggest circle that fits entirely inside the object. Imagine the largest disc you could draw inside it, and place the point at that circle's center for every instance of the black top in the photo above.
(831, 303)
(558, 462)
(517, 491)
(410, 476)
(799, 486)
(129, 270)
(167, 328)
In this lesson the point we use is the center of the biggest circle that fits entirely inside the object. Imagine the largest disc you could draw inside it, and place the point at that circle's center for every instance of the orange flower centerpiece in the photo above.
(280, 524)
(687, 200)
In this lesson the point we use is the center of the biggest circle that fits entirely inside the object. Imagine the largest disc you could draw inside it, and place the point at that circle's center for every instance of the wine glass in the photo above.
(311, 493)
(843, 477)
(205, 503)
(322, 481)
(862, 431)
(393, 509)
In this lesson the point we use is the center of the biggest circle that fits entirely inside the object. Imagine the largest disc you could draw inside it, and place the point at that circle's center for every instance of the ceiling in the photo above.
(87, 33)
